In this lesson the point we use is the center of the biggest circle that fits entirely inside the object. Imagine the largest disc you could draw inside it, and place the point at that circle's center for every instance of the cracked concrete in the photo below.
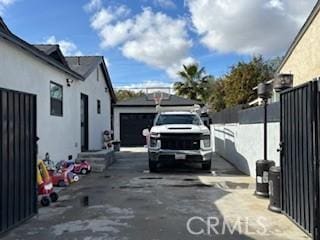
(127, 202)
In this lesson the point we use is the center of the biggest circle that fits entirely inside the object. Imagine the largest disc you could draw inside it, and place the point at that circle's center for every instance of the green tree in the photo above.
(243, 77)
(216, 97)
(125, 94)
(194, 84)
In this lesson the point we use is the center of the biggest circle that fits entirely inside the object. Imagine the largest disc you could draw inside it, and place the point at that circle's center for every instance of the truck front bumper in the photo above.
(161, 155)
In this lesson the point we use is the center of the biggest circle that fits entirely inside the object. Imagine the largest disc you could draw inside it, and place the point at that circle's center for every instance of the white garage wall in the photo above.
(242, 144)
(119, 110)
(60, 136)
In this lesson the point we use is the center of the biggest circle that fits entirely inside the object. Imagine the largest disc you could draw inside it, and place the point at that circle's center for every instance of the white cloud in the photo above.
(153, 38)
(175, 68)
(106, 60)
(248, 26)
(93, 5)
(277, 4)
(4, 4)
(104, 16)
(68, 48)
(165, 3)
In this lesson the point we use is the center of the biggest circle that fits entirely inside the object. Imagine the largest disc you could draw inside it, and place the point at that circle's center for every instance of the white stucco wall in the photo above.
(97, 122)
(242, 144)
(60, 136)
(119, 110)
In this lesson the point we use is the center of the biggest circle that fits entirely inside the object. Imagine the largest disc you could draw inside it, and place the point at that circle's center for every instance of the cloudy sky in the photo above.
(145, 42)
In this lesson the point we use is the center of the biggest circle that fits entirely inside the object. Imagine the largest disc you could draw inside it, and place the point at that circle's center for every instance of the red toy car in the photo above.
(59, 178)
(67, 167)
(82, 166)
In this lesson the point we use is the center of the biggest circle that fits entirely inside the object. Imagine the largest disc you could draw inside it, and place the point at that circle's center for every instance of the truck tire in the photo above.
(152, 166)
(206, 166)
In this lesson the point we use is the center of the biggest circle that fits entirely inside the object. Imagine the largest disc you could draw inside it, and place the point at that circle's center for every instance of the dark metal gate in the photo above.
(18, 197)
(299, 158)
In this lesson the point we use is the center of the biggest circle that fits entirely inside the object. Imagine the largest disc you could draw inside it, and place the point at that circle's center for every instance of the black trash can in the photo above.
(262, 177)
(274, 189)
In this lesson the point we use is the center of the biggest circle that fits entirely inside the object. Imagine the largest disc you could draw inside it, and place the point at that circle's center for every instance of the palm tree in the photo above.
(195, 83)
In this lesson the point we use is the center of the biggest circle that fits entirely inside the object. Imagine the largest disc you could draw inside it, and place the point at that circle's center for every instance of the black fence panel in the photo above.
(299, 156)
(228, 115)
(18, 198)
(256, 114)
(244, 114)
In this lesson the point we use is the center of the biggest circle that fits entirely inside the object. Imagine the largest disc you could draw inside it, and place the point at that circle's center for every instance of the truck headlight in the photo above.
(206, 141)
(154, 142)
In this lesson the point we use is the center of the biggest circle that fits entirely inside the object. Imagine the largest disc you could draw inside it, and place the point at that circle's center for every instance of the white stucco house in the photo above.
(74, 94)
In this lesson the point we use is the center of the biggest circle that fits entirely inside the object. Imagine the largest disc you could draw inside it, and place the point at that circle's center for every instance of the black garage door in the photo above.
(18, 199)
(131, 127)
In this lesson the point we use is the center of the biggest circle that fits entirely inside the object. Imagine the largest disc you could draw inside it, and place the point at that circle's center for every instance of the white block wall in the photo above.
(242, 144)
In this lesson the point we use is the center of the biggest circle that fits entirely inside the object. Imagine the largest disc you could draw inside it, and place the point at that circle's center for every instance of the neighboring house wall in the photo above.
(242, 144)
(60, 136)
(95, 87)
(237, 135)
(119, 110)
(304, 61)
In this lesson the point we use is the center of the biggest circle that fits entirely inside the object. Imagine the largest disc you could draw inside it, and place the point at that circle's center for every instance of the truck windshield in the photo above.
(165, 119)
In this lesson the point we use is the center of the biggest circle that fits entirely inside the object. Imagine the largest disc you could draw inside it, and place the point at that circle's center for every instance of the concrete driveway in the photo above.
(127, 202)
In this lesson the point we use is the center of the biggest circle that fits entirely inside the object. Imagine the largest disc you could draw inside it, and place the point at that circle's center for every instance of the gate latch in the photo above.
(280, 149)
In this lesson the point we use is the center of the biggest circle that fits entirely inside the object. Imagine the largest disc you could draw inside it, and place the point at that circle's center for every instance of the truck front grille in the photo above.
(180, 141)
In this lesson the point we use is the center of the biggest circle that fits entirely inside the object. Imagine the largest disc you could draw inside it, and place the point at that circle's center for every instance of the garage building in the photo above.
(133, 115)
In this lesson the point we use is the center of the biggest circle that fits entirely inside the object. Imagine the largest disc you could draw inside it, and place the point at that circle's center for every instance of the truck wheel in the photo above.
(206, 166)
(54, 196)
(45, 201)
(152, 166)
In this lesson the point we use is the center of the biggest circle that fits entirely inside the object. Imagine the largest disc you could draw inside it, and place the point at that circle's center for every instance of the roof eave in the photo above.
(300, 34)
(36, 52)
(108, 81)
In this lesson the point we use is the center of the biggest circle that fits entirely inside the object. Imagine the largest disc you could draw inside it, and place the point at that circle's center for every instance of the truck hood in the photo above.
(180, 128)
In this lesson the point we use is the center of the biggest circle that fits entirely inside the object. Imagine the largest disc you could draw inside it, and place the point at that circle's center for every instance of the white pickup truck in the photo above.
(179, 136)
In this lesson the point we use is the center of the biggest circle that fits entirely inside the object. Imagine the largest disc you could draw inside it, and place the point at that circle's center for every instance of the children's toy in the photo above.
(67, 167)
(107, 139)
(71, 175)
(45, 185)
(59, 176)
(81, 167)
(48, 162)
